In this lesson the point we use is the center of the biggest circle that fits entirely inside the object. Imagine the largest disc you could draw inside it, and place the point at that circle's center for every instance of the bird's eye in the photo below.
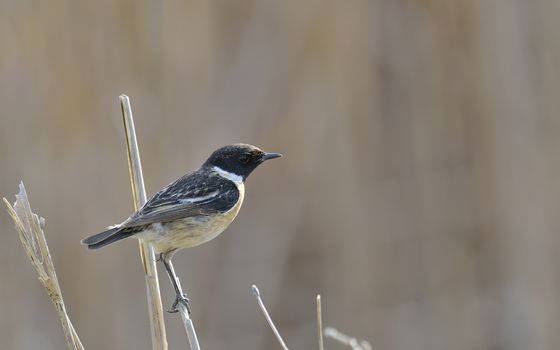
(244, 159)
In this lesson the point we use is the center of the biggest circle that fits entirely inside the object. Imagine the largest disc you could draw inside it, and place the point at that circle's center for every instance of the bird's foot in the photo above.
(180, 299)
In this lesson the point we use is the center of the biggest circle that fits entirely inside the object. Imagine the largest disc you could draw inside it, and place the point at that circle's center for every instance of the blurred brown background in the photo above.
(419, 190)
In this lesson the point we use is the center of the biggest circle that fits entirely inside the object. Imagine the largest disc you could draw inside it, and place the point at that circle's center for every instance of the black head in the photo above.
(239, 159)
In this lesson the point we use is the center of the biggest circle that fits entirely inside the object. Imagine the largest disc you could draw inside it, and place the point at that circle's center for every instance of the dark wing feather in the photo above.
(200, 193)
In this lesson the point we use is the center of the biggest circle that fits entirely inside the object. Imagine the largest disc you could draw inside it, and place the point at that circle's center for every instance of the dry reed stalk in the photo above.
(147, 254)
(157, 323)
(30, 228)
(320, 322)
(257, 295)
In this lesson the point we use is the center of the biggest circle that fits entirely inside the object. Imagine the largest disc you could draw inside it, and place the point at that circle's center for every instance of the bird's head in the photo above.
(239, 159)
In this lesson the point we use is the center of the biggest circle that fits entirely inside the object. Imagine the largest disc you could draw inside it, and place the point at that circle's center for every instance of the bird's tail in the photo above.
(106, 237)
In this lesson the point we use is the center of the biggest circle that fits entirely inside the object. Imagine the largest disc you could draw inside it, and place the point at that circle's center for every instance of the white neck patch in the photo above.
(230, 176)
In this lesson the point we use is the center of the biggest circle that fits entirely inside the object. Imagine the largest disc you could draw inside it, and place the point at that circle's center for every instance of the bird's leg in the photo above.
(180, 296)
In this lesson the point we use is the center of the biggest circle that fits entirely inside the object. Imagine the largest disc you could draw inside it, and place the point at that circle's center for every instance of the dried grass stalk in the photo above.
(257, 295)
(157, 323)
(159, 340)
(320, 322)
(30, 228)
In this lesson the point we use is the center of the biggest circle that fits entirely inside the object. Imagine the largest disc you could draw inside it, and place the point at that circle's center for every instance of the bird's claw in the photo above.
(180, 299)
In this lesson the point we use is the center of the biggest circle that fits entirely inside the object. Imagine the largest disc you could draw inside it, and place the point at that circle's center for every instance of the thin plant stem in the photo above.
(147, 254)
(320, 322)
(189, 326)
(30, 228)
(146, 250)
(257, 295)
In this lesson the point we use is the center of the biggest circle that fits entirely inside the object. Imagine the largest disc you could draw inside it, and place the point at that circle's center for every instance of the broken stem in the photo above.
(30, 228)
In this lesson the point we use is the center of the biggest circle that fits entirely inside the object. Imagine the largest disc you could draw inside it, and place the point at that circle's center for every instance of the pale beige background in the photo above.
(419, 191)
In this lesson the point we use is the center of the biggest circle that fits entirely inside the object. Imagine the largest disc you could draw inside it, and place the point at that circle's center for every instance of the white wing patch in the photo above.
(198, 199)
(230, 176)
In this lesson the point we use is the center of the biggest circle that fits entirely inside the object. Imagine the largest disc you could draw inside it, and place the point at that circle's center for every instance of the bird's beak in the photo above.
(270, 155)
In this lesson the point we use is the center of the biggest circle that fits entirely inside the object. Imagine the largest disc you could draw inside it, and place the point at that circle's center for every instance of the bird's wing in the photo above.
(192, 195)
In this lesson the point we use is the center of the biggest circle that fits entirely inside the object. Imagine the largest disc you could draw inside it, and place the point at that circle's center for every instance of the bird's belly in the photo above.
(186, 233)
(189, 232)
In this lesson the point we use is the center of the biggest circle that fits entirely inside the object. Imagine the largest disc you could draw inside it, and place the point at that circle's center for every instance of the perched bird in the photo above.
(192, 210)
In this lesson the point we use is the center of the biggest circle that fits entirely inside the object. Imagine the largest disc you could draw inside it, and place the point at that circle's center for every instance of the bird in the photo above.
(190, 211)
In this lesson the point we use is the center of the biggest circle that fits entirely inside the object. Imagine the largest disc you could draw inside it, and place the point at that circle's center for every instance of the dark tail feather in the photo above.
(107, 237)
